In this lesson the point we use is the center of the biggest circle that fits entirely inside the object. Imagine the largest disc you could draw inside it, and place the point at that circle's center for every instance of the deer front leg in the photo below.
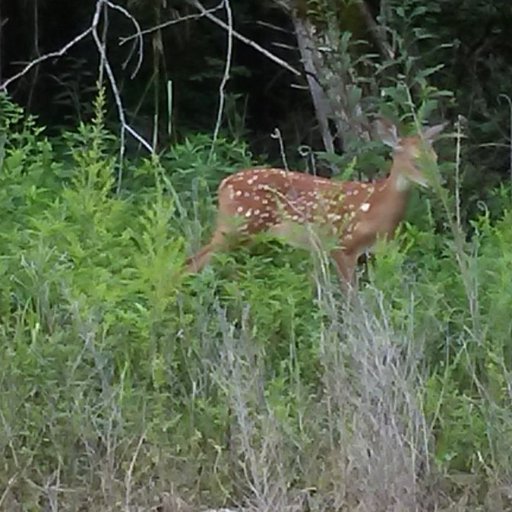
(345, 265)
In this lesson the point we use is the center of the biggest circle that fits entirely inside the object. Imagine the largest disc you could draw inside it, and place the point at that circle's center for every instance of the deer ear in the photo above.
(387, 132)
(430, 133)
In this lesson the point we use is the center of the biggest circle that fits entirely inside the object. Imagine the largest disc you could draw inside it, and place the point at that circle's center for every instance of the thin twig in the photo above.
(37, 53)
(169, 108)
(276, 134)
(8, 486)
(101, 65)
(274, 27)
(285, 46)
(458, 126)
(225, 77)
(509, 101)
(138, 36)
(129, 474)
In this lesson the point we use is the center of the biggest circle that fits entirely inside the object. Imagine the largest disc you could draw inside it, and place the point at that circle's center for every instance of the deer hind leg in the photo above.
(199, 260)
(222, 240)
(227, 234)
(232, 229)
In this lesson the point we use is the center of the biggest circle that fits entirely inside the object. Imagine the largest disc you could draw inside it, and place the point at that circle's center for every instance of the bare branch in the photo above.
(101, 64)
(208, 13)
(273, 27)
(104, 65)
(166, 24)
(125, 127)
(285, 46)
(46, 56)
(244, 39)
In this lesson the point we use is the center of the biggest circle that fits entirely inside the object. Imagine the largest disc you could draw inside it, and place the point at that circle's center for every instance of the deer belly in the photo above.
(307, 235)
(294, 234)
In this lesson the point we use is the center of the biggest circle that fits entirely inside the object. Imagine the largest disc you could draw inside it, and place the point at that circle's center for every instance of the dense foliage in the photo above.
(125, 383)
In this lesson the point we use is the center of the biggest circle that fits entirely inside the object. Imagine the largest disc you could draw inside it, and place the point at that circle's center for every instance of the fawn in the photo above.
(346, 217)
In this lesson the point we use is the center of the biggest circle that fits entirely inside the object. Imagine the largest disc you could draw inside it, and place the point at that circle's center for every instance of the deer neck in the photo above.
(396, 192)
(398, 181)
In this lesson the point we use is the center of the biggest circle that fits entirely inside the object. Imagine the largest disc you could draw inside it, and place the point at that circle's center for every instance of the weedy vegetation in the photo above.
(127, 385)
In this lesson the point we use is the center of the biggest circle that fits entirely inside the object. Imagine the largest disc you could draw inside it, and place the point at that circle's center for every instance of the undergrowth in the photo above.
(126, 385)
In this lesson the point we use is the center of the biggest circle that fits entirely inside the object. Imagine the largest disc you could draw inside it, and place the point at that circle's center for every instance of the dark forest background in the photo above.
(460, 48)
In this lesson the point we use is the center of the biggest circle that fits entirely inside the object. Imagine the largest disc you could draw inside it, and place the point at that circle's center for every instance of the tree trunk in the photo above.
(335, 95)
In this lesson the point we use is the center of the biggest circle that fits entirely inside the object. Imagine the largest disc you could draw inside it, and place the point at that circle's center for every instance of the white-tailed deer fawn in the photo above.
(346, 217)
